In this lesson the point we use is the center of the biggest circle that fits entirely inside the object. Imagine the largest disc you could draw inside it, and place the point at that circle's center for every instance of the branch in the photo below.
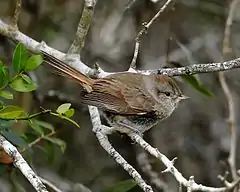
(100, 130)
(154, 1)
(22, 165)
(143, 31)
(83, 27)
(74, 62)
(16, 14)
(101, 134)
(37, 141)
(145, 166)
(26, 117)
(196, 68)
(232, 117)
(49, 184)
(36, 47)
(190, 184)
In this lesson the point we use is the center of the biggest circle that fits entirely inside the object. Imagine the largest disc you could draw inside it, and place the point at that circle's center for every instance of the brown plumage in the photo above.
(125, 94)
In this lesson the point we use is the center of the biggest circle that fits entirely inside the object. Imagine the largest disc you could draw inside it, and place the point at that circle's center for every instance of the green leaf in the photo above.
(23, 83)
(11, 112)
(19, 58)
(69, 112)
(15, 139)
(65, 117)
(4, 74)
(57, 141)
(70, 120)
(63, 108)
(26, 78)
(6, 94)
(45, 125)
(37, 128)
(194, 82)
(122, 186)
(39, 125)
(33, 62)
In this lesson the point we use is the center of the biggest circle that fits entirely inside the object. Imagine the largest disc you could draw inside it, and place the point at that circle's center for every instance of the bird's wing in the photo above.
(113, 95)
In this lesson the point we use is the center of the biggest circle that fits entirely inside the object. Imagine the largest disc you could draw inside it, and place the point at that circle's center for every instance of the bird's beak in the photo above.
(183, 97)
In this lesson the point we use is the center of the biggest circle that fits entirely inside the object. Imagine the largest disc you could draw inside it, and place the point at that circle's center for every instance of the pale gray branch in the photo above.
(145, 166)
(190, 184)
(22, 165)
(232, 117)
(196, 68)
(16, 14)
(49, 184)
(35, 46)
(143, 31)
(83, 27)
(158, 14)
(101, 134)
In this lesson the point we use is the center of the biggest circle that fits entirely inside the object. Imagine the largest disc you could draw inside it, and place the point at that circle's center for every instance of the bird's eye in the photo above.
(167, 94)
(158, 92)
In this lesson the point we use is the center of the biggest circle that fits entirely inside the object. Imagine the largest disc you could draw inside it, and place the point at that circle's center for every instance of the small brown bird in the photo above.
(129, 101)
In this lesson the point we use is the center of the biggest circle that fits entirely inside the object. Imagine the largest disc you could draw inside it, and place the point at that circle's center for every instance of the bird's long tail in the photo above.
(64, 70)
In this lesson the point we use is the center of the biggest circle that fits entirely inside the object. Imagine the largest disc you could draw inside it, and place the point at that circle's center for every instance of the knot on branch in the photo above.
(170, 167)
(190, 184)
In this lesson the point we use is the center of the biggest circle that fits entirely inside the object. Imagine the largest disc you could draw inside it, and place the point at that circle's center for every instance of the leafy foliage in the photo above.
(21, 82)
(65, 112)
(11, 111)
(19, 58)
(194, 81)
(33, 62)
(6, 94)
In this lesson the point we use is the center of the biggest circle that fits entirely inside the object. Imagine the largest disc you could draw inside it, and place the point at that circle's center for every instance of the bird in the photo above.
(130, 102)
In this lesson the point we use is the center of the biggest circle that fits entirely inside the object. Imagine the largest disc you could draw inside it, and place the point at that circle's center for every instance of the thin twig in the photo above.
(50, 185)
(101, 134)
(158, 14)
(37, 141)
(28, 117)
(135, 54)
(83, 27)
(145, 166)
(16, 14)
(232, 117)
(190, 184)
(154, 1)
(104, 142)
(35, 46)
(143, 31)
(195, 68)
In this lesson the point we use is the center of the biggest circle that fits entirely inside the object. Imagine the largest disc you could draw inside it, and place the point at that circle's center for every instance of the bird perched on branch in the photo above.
(129, 101)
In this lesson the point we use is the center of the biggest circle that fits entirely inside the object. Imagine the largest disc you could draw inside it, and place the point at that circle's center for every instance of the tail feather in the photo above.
(67, 71)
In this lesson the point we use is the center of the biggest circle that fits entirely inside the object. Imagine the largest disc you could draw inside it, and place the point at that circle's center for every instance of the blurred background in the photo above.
(197, 133)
